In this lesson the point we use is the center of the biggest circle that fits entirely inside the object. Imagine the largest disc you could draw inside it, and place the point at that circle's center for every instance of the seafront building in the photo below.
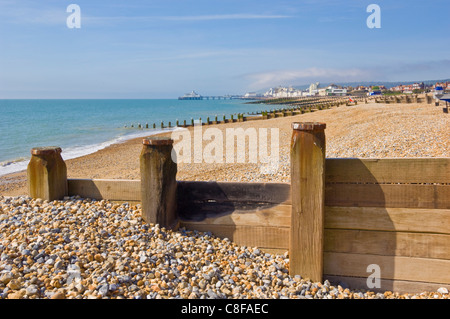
(313, 90)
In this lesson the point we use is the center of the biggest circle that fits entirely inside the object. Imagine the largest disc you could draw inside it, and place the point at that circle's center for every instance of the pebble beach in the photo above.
(85, 249)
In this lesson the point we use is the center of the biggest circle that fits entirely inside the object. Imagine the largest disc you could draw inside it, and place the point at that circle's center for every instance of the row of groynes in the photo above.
(285, 107)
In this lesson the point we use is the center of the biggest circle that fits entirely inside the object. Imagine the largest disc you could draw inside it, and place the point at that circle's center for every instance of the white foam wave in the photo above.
(20, 164)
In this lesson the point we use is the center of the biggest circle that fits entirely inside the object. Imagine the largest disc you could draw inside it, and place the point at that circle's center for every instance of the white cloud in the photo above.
(286, 77)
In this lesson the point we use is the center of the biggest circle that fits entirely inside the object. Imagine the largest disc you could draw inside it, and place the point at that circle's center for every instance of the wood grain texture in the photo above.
(400, 286)
(382, 171)
(279, 215)
(404, 244)
(389, 219)
(115, 190)
(308, 194)
(391, 267)
(388, 195)
(158, 182)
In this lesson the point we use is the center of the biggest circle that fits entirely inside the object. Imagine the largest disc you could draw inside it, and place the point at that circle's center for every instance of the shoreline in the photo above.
(80, 151)
(373, 130)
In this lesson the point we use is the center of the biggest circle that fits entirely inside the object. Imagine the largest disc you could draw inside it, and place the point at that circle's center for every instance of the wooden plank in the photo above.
(399, 170)
(276, 193)
(387, 243)
(389, 219)
(121, 190)
(252, 236)
(308, 200)
(391, 267)
(279, 215)
(388, 195)
(399, 286)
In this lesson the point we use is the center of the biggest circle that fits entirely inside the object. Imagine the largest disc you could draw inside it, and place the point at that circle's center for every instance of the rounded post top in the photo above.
(308, 126)
(157, 140)
(47, 150)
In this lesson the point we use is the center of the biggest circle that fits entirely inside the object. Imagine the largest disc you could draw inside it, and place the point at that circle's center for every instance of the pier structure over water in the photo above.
(195, 96)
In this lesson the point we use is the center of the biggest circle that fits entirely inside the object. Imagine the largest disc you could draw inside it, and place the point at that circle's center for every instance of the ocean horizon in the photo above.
(84, 126)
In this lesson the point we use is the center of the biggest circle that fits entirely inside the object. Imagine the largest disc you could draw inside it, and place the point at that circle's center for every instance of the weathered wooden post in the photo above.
(47, 174)
(308, 200)
(158, 182)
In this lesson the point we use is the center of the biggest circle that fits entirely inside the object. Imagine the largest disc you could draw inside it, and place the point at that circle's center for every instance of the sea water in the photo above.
(81, 127)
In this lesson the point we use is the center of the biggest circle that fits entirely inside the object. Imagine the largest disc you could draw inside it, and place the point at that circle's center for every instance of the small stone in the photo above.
(211, 294)
(14, 284)
(443, 290)
(49, 261)
(59, 295)
(32, 290)
(143, 259)
(17, 295)
(103, 290)
(6, 278)
(113, 287)
(179, 254)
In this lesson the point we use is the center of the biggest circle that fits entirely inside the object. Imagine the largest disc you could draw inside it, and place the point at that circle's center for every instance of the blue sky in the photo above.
(165, 48)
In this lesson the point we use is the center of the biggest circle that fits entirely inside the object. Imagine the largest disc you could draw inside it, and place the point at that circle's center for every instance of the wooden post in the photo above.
(158, 182)
(47, 174)
(308, 200)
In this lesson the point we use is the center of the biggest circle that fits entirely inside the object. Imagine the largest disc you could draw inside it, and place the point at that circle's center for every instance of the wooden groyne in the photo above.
(284, 107)
(338, 218)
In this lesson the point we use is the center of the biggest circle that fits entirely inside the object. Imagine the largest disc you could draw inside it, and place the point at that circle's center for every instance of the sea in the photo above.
(81, 127)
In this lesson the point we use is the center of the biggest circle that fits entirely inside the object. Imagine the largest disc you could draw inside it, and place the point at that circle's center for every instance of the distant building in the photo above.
(250, 95)
(408, 88)
(283, 92)
(334, 90)
(313, 88)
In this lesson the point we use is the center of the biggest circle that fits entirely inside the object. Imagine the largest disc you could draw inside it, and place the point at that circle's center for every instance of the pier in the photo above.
(195, 96)
(212, 97)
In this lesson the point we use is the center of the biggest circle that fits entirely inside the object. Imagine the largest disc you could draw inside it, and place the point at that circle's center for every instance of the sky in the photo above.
(166, 48)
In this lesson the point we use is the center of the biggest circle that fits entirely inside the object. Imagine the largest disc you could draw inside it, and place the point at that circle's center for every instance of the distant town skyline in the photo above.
(163, 49)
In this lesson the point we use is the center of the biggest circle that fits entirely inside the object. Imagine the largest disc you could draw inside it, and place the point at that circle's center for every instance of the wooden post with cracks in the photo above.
(47, 174)
(308, 200)
(158, 182)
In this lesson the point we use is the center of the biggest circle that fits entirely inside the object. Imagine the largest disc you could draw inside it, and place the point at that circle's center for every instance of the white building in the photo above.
(334, 90)
(250, 95)
(313, 88)
(283, 92)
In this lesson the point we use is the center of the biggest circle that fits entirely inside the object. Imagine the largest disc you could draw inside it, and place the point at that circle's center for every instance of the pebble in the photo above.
(136, 260)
